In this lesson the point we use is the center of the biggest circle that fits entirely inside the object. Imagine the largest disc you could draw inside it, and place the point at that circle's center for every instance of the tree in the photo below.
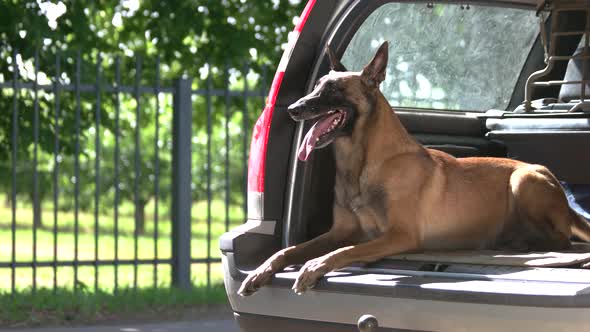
(186, 35)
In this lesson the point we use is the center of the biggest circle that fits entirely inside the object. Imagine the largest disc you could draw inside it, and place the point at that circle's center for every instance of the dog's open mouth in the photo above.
(321, 133)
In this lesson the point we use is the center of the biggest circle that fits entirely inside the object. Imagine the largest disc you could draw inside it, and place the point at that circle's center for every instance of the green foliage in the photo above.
(189, 38)
(186, 34)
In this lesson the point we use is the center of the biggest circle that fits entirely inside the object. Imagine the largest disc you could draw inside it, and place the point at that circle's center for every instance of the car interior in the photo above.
(551, 128)
(542, 117)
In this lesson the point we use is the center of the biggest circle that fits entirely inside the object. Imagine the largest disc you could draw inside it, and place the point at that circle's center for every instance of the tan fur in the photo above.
(393, 195)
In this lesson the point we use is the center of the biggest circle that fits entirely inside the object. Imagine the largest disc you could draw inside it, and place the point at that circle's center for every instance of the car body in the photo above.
(458, 79)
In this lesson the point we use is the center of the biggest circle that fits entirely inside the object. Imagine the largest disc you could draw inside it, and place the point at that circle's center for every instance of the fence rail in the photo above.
(98, 145)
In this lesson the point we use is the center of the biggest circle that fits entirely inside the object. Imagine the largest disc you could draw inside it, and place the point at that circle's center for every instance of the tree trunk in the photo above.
(37, 213)
(140, 217)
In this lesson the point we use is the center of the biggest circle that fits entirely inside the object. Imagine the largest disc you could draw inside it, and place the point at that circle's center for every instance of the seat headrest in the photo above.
(573, 72)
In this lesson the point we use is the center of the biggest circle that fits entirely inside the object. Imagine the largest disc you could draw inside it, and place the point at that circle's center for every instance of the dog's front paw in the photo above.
(255, 280)
(310, 273)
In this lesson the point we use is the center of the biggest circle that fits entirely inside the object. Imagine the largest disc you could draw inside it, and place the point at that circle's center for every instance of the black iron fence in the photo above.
(100, 142)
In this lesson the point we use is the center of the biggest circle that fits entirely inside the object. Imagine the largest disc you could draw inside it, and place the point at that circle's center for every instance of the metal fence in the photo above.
(79, 118)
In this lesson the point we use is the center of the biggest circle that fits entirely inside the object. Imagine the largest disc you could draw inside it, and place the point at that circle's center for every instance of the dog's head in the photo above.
(338, 101)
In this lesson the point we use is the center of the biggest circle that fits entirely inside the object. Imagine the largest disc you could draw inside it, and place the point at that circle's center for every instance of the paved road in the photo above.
(218, 325)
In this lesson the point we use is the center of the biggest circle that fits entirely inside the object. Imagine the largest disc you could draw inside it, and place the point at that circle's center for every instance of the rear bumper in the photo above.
(260, 323)
(338, 300)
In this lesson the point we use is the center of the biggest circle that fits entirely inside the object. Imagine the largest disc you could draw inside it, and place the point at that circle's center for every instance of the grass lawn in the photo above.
(106, 220)
(85, 304)
(64, 307)
(106, 246)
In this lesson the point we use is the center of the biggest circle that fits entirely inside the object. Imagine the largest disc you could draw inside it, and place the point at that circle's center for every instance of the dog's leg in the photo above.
(292, 255)
(541, 204)
(343, 229)
(386, 245)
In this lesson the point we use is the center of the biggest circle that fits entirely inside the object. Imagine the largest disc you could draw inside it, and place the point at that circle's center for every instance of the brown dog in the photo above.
(392, 195)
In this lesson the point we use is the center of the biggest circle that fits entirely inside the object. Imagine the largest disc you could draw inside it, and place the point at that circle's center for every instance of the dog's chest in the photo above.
(365, 198)
(369, 207)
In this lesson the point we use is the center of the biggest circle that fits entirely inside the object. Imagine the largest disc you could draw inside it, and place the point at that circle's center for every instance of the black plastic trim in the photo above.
(562, 151)
(442, 123)
(282, 126)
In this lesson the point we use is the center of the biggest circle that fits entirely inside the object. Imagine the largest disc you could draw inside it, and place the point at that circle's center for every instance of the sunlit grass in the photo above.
(104, 248)
(126, 222)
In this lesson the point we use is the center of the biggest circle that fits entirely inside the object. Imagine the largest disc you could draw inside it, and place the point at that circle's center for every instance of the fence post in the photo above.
(181, 183)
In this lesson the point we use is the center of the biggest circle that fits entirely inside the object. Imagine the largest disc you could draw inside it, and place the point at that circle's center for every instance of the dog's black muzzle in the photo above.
(309, 107)
(300, 110)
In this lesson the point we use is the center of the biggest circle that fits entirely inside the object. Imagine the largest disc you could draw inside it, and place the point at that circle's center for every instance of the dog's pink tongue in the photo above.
(310, 139)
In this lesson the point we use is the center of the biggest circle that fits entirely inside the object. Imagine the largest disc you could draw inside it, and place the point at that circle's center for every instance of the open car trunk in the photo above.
(428, 292)
(526, 279)
(550, 135)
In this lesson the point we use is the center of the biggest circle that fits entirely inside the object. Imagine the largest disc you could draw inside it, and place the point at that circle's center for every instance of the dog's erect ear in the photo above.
(374, 72)
(335, 64)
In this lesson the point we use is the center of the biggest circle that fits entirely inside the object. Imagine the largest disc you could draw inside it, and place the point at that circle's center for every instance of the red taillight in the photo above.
(257, 158)
(304, 15)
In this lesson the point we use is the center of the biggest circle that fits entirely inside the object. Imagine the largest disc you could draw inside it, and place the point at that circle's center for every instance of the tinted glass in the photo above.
(447, 56)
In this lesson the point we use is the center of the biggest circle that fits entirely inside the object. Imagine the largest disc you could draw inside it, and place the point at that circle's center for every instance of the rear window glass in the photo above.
(447, 56)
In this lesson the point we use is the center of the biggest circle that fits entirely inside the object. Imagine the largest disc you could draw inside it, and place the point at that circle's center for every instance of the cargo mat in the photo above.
(578, 255)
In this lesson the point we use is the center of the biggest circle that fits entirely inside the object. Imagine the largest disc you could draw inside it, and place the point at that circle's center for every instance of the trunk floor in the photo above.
(578, 255)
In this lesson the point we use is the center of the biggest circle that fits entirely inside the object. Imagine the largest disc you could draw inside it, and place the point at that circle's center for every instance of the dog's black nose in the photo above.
(296, 108)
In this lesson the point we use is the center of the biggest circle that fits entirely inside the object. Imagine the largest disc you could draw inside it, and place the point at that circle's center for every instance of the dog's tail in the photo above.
(580, 227)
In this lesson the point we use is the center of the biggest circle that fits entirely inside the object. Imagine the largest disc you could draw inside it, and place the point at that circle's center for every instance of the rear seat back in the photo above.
(575, 72)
